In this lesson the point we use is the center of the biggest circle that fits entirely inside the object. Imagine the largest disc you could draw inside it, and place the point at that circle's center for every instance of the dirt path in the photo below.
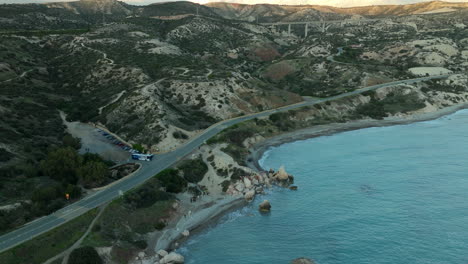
(66, 254)
(119, 95)
(19, 76)
(104, 55)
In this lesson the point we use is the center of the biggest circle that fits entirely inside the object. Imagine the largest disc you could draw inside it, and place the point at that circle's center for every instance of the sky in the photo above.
(339, 3)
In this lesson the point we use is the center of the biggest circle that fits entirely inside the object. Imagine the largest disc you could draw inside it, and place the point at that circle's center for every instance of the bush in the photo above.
(225, 185)
(141, 244)
(45, 194)
(145, 197)
(159, 225)
(194, 170)
(84, 255)
(179, 135)
(170, 179)
(5, 155)
(138, 147)
(70, 141)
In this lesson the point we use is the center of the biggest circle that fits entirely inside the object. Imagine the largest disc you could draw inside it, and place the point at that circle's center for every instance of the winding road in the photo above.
(159, 163)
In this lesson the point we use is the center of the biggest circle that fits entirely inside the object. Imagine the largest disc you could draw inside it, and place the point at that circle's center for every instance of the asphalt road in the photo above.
(149, 169)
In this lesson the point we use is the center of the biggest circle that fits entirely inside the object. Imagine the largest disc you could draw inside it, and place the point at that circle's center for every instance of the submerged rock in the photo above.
(294, 188)
(265, 206)
(302, 261)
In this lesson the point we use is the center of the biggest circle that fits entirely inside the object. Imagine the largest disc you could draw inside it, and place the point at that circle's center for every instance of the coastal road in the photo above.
(159, 163)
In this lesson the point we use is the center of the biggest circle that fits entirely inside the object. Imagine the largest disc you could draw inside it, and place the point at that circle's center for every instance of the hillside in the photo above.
(269, 13)
(158, 75)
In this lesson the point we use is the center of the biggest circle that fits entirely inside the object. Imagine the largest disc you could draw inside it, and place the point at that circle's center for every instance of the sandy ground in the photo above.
(95, 142)
(423, 71)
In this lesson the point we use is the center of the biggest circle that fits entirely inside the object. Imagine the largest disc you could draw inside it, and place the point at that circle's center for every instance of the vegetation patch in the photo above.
(45, 246)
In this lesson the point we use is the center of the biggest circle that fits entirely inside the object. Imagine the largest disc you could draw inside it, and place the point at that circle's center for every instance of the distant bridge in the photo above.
(322, 25)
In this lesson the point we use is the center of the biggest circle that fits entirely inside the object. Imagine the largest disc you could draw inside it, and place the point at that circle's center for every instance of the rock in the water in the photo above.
(265, 206)
(186, 233)
(302, 261)
(162, 253)
(247, 183)
(282, 175)
(172, 258)
(259, 190)
(294, 188)
(249, 195)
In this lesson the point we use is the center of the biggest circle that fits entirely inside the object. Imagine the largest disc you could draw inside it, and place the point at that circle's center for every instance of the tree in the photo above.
(61, 164)
(70, 141)
(84, 255)
(93, 173)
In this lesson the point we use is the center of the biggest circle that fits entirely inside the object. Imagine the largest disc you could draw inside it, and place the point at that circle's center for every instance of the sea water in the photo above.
(396, 195)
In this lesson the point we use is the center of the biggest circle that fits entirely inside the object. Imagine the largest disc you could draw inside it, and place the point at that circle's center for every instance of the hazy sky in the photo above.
(342, 3)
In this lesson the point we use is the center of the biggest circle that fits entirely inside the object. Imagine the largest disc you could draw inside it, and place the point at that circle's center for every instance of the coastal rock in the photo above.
(249, 195)
(247, 183)
(172, 258)
(267, 183)
(282, 175)
(302, 261)
(162, 253)
(240, 187)
(141, 255)
(265, 206)
(259, 190)
(186, 233)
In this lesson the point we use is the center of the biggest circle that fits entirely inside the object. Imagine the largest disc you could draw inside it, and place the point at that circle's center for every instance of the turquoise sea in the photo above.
(396, 195)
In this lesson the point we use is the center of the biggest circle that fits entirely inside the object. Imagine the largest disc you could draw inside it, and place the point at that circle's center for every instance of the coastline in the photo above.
(256, 151)
(207, 214)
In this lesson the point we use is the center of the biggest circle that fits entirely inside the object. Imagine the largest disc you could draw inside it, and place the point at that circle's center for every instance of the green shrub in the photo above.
(194, 170)
(70, 141)
(145, 197)
(159, 225)
(84, 255)
(138, 147)
(170, 179)
(225, 185)
(141, 244)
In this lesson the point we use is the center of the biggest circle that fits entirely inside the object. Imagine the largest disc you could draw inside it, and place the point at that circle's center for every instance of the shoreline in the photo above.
(257, 151)
(205, 217)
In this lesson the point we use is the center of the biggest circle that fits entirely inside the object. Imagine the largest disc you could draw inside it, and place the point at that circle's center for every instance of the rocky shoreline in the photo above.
(244, 190)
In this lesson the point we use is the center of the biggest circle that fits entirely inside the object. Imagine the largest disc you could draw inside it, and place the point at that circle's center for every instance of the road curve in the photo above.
(159, 163)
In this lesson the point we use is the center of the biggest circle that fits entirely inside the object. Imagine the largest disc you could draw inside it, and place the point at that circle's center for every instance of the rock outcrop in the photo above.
(162, 253)
(250, 185)
(265, 206)
(172, 258)
(249, 195)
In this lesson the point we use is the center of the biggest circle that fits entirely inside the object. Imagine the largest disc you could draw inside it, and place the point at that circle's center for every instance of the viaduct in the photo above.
(322, 25)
